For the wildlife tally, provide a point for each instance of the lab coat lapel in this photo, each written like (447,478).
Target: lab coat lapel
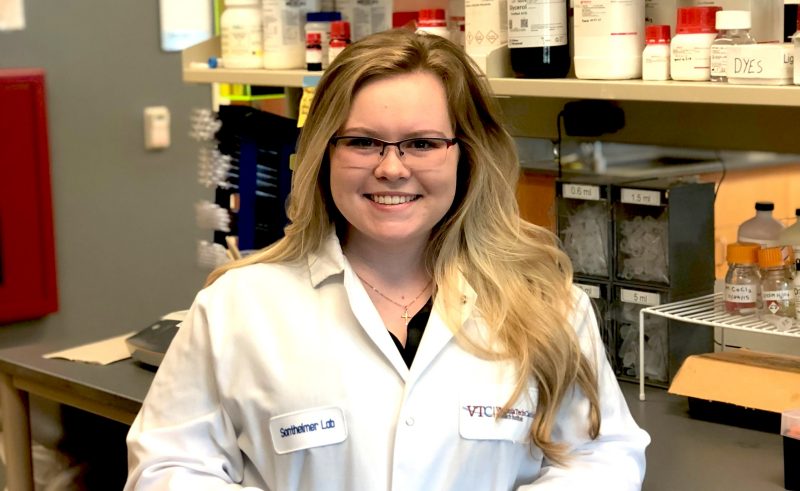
(370,320)
(437,333)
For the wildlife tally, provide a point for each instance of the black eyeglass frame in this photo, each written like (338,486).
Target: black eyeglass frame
(449,141)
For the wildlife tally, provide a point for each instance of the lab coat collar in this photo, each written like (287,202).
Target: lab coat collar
(330,261)
(327,261)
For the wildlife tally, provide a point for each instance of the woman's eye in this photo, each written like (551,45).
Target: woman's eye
(362,143)
(424,144)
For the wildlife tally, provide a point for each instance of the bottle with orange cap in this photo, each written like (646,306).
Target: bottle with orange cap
(743,280)
(777,291)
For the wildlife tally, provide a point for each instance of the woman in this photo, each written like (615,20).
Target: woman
(410,331)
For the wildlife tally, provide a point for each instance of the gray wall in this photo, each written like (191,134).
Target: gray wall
(124,219)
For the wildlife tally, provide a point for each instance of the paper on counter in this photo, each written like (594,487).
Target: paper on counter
(101,352)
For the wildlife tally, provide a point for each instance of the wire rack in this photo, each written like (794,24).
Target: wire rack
(709,310)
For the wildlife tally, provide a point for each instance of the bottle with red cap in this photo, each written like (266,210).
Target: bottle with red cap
(655,57)
(340,39)
(433,21)
(690,51)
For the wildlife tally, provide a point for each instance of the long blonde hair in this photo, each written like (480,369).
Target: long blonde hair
(521,276)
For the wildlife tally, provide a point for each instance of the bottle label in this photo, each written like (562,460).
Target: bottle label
(719,60)
(741,293)
(777,301)
(314,55)
(284,23)
(537,23)
(240,41)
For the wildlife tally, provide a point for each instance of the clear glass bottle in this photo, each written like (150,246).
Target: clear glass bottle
(743,280)
(733,28)
(777,291)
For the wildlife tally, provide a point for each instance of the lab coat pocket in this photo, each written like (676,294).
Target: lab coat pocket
(309,428)
(480,415)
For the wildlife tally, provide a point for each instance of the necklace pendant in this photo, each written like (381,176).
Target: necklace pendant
(405,316)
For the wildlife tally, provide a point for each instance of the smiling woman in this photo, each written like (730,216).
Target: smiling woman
(408,307)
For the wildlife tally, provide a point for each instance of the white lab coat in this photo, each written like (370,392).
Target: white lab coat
(284,378)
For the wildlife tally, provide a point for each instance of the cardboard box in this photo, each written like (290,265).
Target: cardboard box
(742,387)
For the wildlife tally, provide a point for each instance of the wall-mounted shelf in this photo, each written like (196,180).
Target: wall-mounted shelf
(708,310)
(570,88)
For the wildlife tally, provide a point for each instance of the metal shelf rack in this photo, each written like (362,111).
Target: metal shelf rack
(708,310)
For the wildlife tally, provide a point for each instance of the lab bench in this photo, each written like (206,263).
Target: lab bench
(685,454)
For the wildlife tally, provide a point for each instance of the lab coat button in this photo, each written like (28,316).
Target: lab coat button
(409,421)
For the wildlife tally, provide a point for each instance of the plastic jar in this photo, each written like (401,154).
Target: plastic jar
(340,39)
(762,229)
(609,39)
(655,58)
(538,38)
(691,46)
(743,280)
(240,34)
(433,21)
(320,22)
(284,32)
(734,28)
(777,291)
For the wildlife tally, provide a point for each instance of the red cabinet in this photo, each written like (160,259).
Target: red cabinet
(27,252)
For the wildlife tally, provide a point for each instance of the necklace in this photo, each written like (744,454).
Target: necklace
(405,307)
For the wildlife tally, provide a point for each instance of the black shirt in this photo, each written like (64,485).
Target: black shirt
(416,327)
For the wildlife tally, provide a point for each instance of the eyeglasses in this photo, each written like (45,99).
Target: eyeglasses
(412,151)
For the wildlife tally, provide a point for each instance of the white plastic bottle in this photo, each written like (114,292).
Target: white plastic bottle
(240,34)
(691,47)
(655,58)
(762,229)
(734,29)
(790,236)
(284,32)
(609,39)
(456,21)
(366,17)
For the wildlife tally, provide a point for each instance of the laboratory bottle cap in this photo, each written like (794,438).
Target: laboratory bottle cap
(697,20)
(237,3)
(340,29)
(657,34)
(313,38)
(797,212)
(765,206)
(323,16)
(432,17)
(733,19)
(742,253)
(773,257)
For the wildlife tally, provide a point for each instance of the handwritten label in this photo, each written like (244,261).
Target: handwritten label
(640,197)
(592,290)
(580,191)
(638,297)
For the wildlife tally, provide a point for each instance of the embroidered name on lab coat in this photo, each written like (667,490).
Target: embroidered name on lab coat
(481,417)
(308,428)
